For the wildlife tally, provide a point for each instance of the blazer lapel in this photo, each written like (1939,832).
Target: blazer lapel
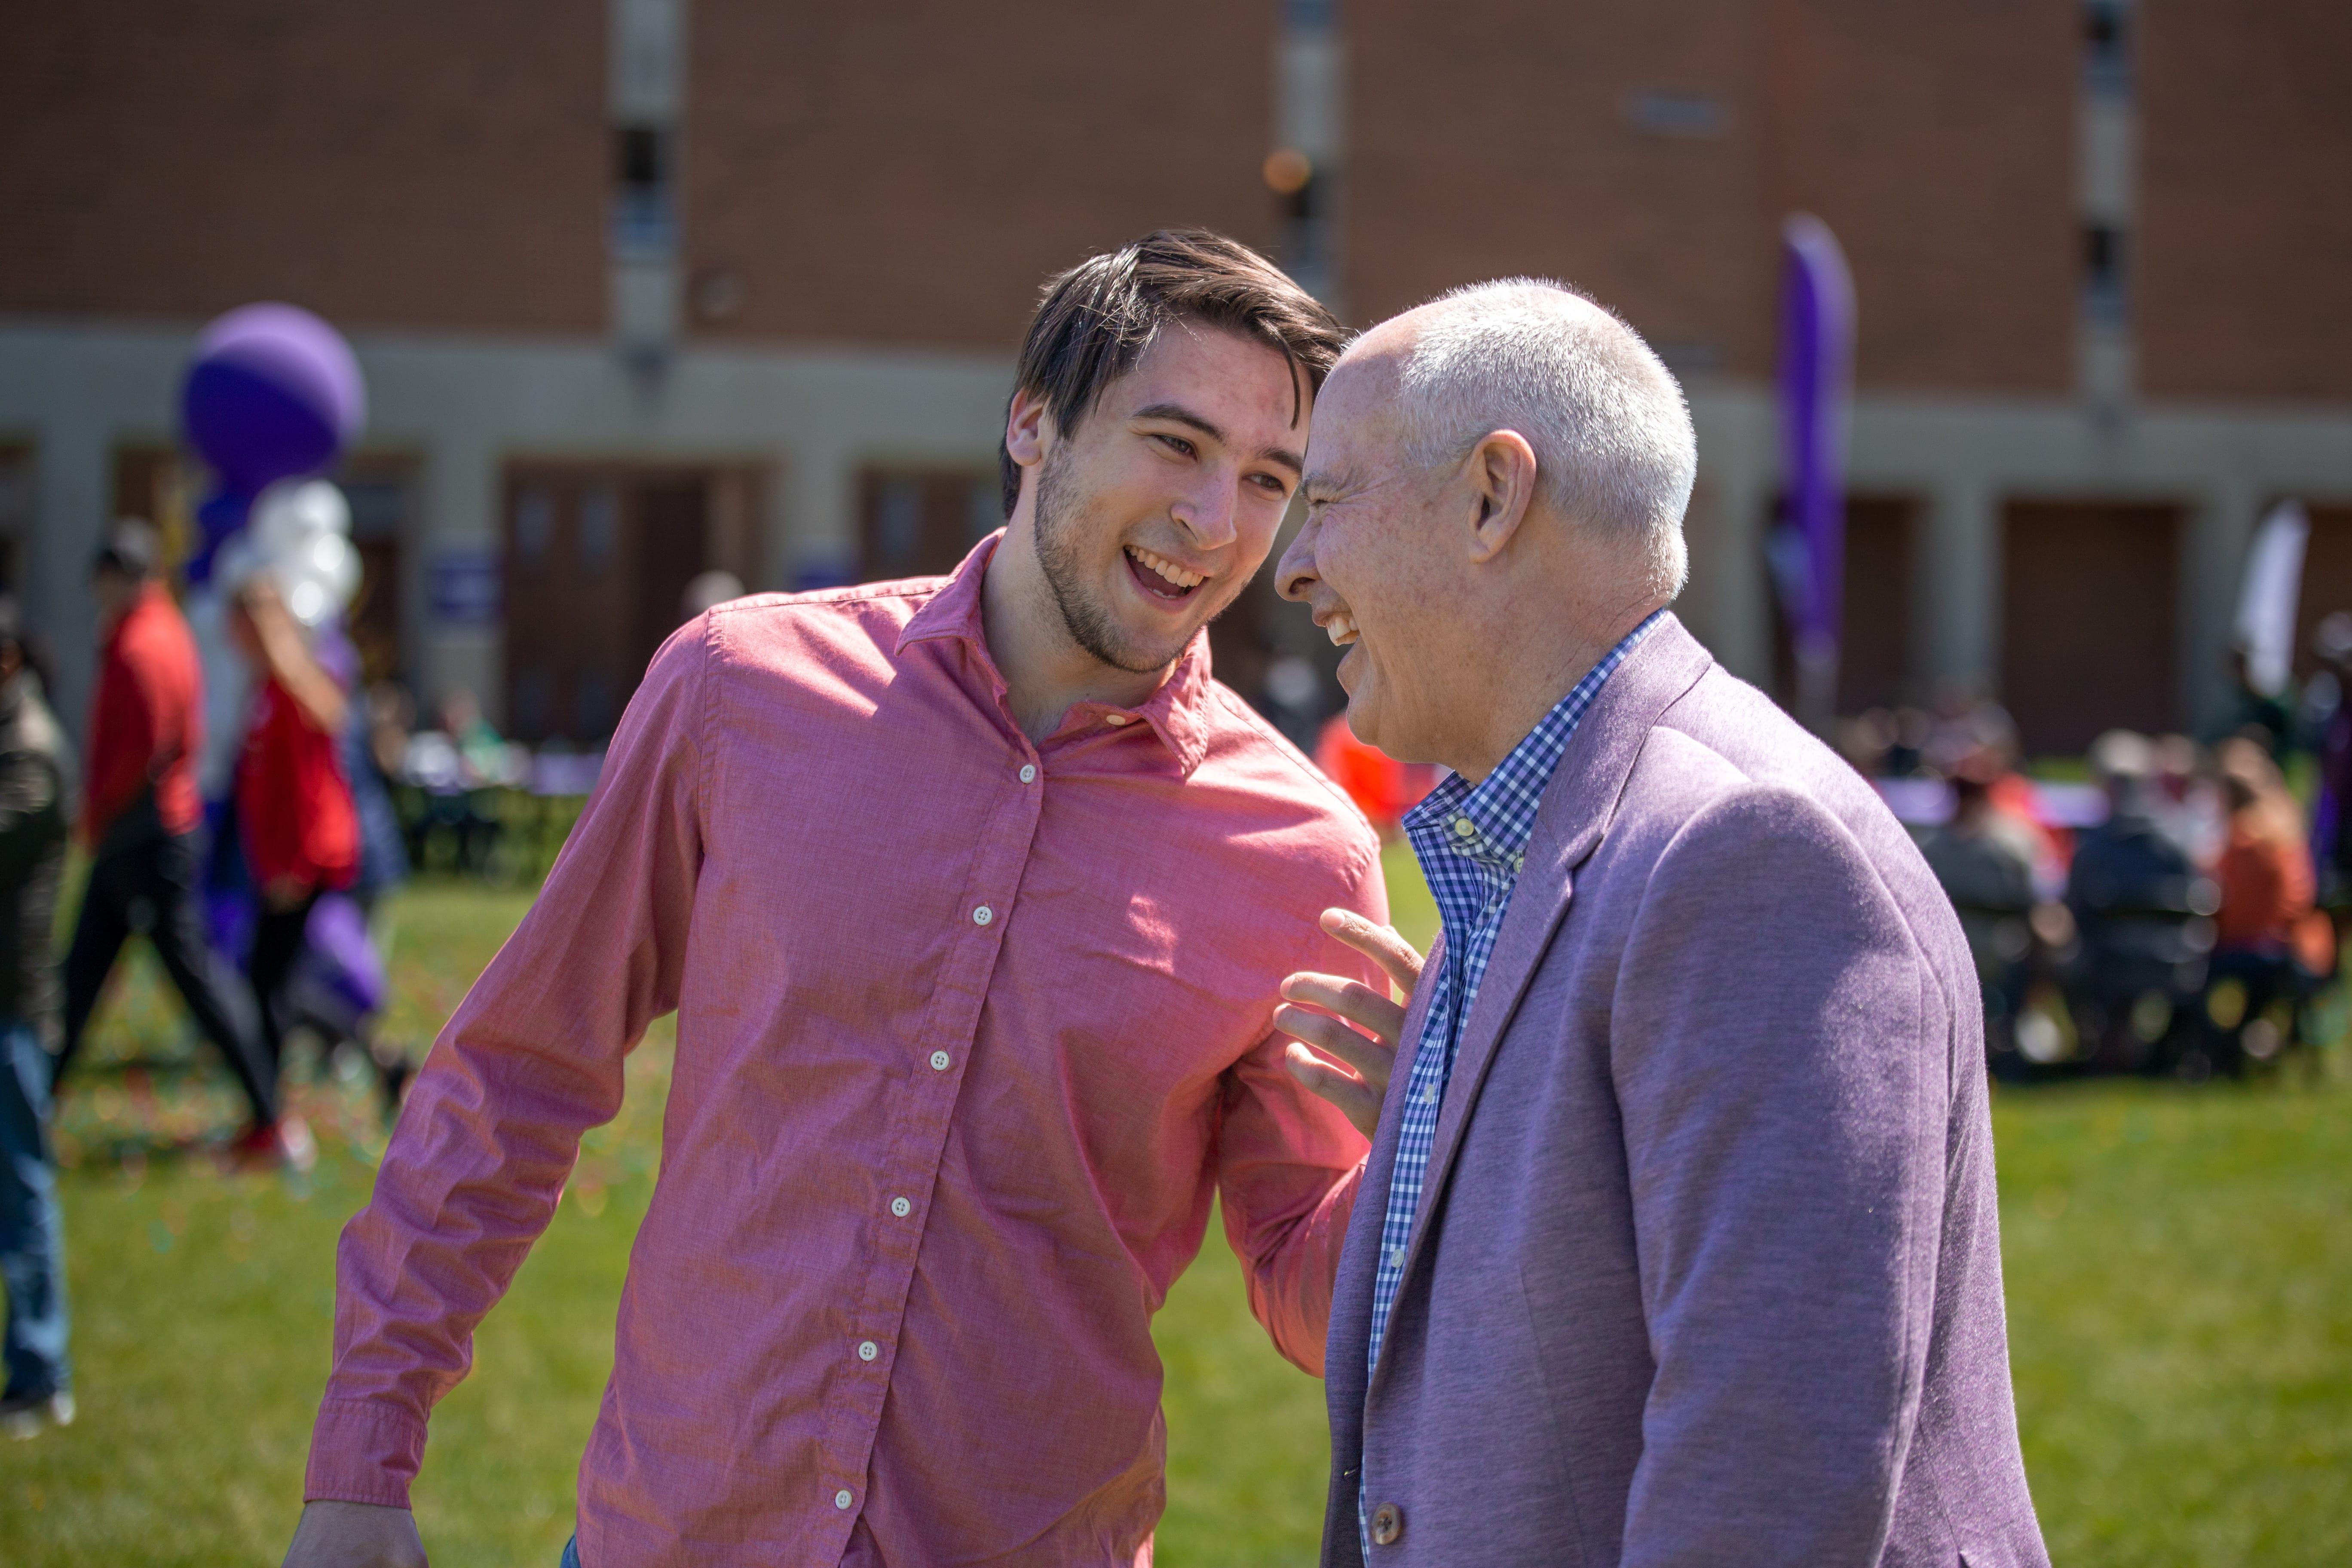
(1578,805)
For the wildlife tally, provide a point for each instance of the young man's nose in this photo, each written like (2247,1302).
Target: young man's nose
(1207,514)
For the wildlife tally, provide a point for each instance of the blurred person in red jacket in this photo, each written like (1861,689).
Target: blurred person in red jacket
(140,813)
(294,812)
(1382,788)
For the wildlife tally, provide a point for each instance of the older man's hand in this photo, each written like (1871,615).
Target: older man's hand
(355,1535)
(1320,1008)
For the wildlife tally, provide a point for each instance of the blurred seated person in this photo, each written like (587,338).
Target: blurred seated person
(456,765)
(1984,857)
(2139,904)
(2270,938)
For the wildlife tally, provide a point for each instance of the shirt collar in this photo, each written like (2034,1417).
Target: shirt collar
(1177,712)
(1491,823)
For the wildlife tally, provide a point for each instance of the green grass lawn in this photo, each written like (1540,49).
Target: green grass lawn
(2179,1273)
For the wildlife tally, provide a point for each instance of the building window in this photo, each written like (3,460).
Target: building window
(600,528)
(642,219)
(921,522)
(2107,46)
(2105,291)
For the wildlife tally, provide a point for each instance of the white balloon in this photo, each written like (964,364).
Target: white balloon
(331,555)
(319,579)
(292,511)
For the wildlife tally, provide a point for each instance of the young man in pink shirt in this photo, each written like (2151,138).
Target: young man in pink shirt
(972,896)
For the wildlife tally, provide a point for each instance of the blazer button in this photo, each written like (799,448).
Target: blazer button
(1388,1523)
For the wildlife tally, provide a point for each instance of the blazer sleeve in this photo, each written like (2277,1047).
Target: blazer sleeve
(1777,1056)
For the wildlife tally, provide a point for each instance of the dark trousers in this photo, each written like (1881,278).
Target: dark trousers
(276,943)
(150,888)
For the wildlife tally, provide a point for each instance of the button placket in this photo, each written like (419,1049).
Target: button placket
(913,1164)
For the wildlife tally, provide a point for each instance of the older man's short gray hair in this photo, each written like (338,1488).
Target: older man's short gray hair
(1611,434)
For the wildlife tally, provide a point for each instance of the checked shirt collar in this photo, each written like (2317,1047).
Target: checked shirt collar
(1472,842)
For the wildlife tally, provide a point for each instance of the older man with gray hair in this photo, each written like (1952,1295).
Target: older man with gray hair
(1678,1241)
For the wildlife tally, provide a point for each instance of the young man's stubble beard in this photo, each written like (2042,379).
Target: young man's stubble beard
(1058,556)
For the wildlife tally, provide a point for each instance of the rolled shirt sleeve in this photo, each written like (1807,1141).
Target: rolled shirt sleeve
(530,1060)
(1290,1165)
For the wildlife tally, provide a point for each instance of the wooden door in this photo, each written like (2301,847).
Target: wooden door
(2088,620)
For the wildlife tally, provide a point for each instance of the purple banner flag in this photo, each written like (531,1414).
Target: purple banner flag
(1816,380)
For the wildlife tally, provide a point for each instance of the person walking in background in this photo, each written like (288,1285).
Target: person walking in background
(139,817)
(35,785)
(294,813)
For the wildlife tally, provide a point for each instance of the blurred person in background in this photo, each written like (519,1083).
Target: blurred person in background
(295,818)
(2183,799)
(2331,816)
(456,766)
(36,787)
(141,813)
(707,592)
(1984,857)
(2138,902)
(2262,717)
(1382,788)
(970,895)
(2269,938)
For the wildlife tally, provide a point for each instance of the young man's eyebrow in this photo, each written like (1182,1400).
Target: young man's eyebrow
(1286,457)
(1181,415)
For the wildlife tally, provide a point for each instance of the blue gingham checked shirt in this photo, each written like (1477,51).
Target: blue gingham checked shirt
(1471,843)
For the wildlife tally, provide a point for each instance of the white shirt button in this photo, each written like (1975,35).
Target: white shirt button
(982,915)
(1119,718)
(901,1207)
(1028,773)
(868,1350)
(842,1498)
(1396,1257)
(938,1061)
(1464,827)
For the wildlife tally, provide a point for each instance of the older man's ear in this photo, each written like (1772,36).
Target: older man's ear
(1501,473)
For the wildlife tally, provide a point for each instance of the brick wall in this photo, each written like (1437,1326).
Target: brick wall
(2245,238)
(432,163)
(1937,140)
(912,172)
(1500,136)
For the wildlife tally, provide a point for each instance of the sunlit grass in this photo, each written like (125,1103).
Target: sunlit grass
(2179,1272)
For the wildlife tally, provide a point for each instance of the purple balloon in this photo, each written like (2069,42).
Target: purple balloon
(346,960)
(273,392)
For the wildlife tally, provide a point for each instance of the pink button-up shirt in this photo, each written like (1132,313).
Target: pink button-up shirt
(968,1032)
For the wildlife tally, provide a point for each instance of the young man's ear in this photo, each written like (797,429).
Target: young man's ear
(1028,429)
(1502,472)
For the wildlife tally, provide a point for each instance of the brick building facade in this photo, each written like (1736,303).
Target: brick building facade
(708,282)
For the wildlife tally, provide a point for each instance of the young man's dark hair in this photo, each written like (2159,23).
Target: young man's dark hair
(1097,319)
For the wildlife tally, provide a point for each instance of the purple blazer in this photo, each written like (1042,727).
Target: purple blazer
(1707,1267)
